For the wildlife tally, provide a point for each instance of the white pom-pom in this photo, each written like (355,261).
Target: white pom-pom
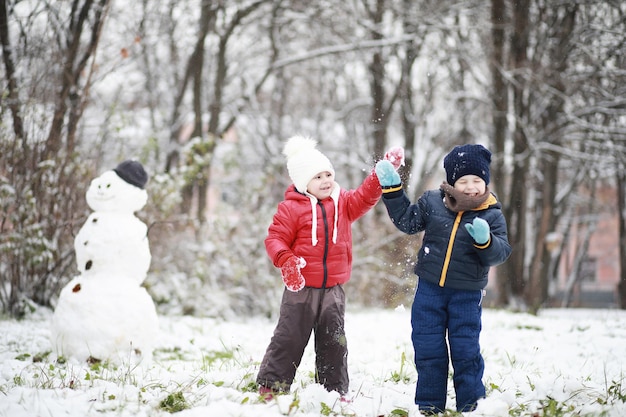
(298,144)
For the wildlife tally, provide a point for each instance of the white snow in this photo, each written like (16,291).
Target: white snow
(561,358)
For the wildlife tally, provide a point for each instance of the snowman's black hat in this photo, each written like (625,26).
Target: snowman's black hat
(132,172)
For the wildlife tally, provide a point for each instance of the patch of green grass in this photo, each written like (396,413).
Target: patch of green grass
(615,392)
(248,383)
(174,403)
(529,327)
(325,410)
(170,354)
(23,357)
(403,375)
(214,356)
(399,412)
(553,408)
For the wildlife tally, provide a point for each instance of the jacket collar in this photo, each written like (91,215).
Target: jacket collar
(335,197)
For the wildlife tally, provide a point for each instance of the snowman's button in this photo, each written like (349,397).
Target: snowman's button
(76,288)
(88,265)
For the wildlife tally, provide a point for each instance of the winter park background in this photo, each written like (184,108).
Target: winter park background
(204,95)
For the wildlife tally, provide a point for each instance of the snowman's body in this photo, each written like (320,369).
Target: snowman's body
(104,313)
(105,318)
(122,251)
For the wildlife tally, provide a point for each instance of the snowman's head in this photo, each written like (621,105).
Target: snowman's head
(109,192)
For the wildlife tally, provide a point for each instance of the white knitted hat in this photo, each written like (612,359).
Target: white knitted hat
(304,161)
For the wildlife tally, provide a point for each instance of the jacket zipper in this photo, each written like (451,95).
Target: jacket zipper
(325,244)
(325,268)
(446,261)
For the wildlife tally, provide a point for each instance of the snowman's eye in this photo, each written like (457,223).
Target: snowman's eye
(108,185)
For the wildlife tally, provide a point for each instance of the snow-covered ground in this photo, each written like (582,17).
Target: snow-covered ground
(562,362)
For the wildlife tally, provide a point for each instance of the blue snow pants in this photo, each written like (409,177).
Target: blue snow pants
(438,312)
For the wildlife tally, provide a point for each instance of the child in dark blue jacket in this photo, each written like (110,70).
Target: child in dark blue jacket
(465,233)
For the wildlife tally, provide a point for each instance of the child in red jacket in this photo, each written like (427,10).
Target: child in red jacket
(310,240)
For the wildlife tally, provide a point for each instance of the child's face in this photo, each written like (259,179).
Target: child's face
(321,185)
(471,185)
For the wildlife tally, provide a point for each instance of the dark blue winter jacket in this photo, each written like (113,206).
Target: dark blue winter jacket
(449,256)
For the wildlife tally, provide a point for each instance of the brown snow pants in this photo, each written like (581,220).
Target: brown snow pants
(311,309)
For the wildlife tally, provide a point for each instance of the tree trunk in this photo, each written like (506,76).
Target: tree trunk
(537,291)
(621,205)
(548,166)
(516,204)
(9,68)
(377,89)
(406,92)
(499,98)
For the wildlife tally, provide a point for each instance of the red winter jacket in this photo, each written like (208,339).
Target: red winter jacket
(290,231)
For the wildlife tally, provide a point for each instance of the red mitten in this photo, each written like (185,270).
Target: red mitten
(395,155)
(292,277)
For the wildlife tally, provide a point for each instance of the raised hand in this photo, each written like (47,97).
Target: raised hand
(386,173)
(395,155)
(479,230)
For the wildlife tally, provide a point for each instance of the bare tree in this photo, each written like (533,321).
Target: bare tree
(499,98)
(38,149)
(208,132)
(620,174)
(554,135)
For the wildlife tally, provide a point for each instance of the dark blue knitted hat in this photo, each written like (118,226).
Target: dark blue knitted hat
(467,160)
(132,172)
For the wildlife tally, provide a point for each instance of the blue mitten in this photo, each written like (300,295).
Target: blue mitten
(479,230)
(387,174)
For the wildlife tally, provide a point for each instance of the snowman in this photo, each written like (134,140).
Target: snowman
(104,314)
